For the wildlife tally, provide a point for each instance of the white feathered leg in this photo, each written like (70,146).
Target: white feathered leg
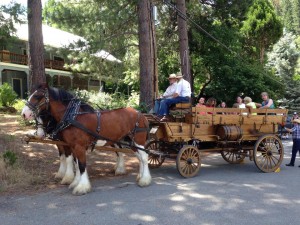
(84,185)
(69,175)
(140,167)
(144,177)
(77,176)
(120,164)
(62,167)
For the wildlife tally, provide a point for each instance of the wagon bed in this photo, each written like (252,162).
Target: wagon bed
(235,133)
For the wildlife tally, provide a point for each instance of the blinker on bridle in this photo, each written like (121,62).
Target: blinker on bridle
(36,108)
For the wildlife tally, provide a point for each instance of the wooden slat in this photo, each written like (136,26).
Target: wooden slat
(183,105)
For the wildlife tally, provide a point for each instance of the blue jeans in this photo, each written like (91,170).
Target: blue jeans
(157,105)
(295,149)
(166,103)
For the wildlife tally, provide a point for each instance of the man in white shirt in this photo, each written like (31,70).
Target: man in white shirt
(168,93)
(182,94)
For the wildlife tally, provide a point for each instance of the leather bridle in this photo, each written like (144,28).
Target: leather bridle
(36,108)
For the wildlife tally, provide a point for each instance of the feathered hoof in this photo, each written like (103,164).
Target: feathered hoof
(120,172)
(144,181)
(67,180)
(81,189)
(73,184)
(59,176)
(138,177)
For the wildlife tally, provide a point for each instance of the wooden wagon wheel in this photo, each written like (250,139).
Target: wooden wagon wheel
(268,153)
(233,157)
(155,160)
(188,161)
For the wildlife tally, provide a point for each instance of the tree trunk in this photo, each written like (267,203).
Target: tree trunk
(155,67)
(146,59)
(36,44)
(183,41)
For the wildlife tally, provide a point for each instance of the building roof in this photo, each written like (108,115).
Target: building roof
(59,39)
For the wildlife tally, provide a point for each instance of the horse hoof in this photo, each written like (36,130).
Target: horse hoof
(59,176)
(118,172)
(80,190)
(144,182)
(67,181)
(73,185)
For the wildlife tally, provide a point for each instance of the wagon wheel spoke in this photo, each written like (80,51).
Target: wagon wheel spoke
(234,156)
(268,153)
(155,158)
(188,161)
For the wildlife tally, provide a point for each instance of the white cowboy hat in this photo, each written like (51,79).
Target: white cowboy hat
(179,75)
(172,76)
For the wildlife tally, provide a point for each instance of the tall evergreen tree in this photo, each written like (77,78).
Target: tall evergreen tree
(9,16)
(262,28)
(146,53)
(36,44)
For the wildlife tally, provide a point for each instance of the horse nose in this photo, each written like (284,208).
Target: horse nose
(26,114)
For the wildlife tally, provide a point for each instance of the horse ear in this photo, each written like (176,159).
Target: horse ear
(43,85)
(46,85)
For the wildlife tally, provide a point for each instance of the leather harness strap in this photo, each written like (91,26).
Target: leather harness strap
(69,118)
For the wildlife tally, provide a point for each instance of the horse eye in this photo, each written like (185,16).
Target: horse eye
(38,97)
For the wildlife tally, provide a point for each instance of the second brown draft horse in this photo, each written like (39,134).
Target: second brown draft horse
(80,126)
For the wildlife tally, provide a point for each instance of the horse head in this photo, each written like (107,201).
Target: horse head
(37,102)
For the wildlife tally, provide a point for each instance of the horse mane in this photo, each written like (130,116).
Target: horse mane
(65,97)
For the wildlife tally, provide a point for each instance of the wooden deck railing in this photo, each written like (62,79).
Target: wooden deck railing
(10,57)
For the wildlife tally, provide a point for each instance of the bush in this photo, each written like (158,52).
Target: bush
(101,100)
(7,95)
(19,105)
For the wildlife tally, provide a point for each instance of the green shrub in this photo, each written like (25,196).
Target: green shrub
(19,105)
(7,95)
(10,157)
(101,100)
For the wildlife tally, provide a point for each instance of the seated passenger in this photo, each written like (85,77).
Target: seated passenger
(201,104)
(211,103)
(250,104)
(267,102)
(239,104)
(222,105)
(168,93)
(181,95)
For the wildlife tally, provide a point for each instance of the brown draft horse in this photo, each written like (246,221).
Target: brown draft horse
(45,126)
(107,127)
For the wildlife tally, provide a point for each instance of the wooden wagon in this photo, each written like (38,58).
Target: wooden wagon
(235,133)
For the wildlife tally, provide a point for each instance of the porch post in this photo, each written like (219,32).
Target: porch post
(1,69)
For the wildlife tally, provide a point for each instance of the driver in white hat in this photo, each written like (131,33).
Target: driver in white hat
(182,94)
(168,93)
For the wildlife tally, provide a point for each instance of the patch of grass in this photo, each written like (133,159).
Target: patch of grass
(25,123)
(12,172)
(10,157)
